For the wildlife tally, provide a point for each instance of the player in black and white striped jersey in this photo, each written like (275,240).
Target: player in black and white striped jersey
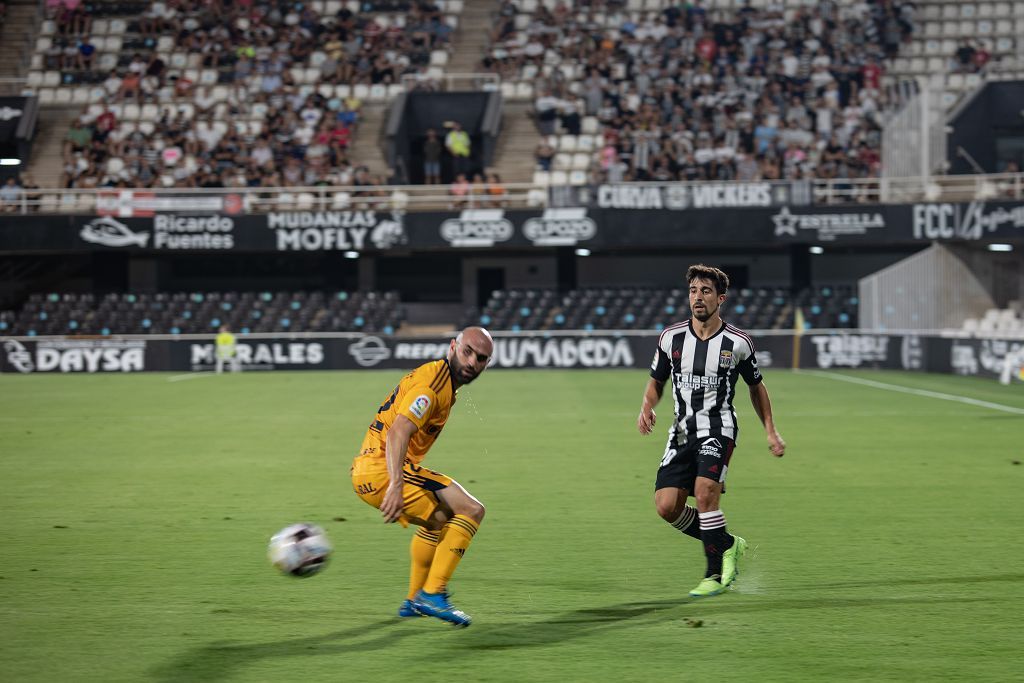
(704,358)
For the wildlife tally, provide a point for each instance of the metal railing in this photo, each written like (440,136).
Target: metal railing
(126,201)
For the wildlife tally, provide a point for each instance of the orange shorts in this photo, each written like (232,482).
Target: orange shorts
(419,498)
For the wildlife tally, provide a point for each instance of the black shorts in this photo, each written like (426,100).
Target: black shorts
(706,457)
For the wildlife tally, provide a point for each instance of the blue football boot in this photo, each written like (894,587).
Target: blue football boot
(437,605)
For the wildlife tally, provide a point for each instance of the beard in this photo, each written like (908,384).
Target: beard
(463,374)
(704,314)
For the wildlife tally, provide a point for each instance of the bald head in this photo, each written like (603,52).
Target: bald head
(469,354)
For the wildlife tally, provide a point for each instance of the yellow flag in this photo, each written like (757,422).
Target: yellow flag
(798,332)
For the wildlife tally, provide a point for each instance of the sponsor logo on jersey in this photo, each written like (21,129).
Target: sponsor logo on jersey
(690,381)
(420,406)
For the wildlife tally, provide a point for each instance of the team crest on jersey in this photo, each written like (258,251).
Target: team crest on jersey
(420,406)
(725,359)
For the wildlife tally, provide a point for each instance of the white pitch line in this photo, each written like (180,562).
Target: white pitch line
(917,392)
(189,375)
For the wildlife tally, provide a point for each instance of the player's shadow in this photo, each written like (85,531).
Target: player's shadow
(216,661)
(585,622)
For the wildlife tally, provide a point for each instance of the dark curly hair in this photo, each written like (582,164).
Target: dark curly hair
(701,272)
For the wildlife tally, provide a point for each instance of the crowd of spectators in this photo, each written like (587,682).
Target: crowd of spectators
(680,94)
(243,90)
(18,192)
(299,140)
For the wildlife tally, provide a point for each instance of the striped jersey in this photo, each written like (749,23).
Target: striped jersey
(703,374)
(425,396)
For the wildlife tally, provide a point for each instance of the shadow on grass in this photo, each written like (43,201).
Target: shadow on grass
(216,661)
(585,622)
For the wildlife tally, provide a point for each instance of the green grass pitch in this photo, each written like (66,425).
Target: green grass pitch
(136,512)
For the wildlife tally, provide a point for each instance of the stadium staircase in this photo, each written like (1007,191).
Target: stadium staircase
(367,148)
(17,35)
(514,160)
(472,37)
(47,161)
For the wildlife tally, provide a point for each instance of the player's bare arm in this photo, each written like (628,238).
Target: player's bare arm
(397,445)
(652,394)
(763,407)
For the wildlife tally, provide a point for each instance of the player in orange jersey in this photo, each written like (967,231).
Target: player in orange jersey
(387,473)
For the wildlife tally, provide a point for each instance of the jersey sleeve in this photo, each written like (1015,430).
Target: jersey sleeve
(749,370)
(661,368)
(419,404)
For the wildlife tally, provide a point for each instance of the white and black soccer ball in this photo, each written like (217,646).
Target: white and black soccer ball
(300,549)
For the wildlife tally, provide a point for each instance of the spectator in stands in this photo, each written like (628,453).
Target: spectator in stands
(544,155)
(496,193)
(10,195)
(86,52)
(982,56)
(79,137)
(153,20)
(131,87)
(546,108)
(457,143)
(459,191)
(742,74)
(32,194)
(432,159)
(963,58)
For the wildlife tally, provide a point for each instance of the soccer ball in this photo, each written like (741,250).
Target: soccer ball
(300,549)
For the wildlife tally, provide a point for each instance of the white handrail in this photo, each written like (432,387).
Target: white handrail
(956,188)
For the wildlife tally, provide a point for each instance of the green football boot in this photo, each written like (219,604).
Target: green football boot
(708,587)
(731,560)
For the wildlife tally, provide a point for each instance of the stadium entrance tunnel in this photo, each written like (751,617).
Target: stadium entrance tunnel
(413,114)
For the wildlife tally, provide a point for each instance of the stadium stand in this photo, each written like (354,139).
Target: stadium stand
(625,308)
(203,94)
(958,45)
(203,312)
(651,90)
(1002,321)
(645,308)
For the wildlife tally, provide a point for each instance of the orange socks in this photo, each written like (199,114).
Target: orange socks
(421,552)
(455,539)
